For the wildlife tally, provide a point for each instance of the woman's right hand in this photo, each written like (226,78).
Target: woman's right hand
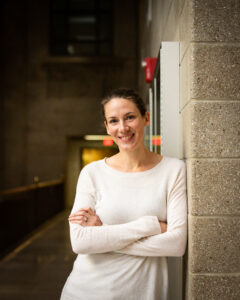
(85,217)
(163,226)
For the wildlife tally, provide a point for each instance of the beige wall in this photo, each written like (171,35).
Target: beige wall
(209,36)
(46,99)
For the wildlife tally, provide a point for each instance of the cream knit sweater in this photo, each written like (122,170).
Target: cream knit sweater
(126,257)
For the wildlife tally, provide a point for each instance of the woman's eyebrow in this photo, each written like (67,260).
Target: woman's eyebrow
(129,113)
(126,114)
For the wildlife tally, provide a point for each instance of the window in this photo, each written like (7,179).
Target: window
(81,27)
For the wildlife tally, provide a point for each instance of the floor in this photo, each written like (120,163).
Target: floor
(38,268)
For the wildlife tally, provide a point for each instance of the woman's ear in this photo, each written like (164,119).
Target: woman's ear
(147,118)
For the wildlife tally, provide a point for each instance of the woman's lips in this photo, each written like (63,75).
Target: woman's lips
(126,138)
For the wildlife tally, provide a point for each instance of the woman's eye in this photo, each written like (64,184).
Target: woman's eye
(113,121)
(130,117)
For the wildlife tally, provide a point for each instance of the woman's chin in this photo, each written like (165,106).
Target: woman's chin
(127,146)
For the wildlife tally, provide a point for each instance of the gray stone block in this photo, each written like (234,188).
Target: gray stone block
(215,71)
(214,186)
(216,20)
(211,129)
(214,244)
(211,287)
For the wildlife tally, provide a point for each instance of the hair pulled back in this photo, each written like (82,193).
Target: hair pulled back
(125,93)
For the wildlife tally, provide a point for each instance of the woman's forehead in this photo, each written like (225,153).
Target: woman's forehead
(122,104)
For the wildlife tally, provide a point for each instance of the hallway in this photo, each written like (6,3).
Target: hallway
(39,267)
(58,60)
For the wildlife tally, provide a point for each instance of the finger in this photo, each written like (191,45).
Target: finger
(91,212)
(77,222)
(88,210)
(82,219)
(80,223)
(84,209)
(79,211)
(76,213)
(79,217)
(82,213)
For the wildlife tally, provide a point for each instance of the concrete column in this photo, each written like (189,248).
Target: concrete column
(210,105)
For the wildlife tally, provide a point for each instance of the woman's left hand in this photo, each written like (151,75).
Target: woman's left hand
(85,217)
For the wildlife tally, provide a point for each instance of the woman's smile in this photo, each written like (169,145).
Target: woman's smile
(126,138)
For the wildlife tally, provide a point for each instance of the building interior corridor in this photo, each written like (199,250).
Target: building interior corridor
(58,58)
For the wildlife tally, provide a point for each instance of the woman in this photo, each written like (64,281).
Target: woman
(129,213)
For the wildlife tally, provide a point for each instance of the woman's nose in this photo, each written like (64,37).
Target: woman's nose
(123,126)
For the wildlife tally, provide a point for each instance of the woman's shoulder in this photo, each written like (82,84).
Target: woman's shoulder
(93,166)
(174,163)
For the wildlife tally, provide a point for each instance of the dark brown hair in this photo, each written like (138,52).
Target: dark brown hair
(125,93)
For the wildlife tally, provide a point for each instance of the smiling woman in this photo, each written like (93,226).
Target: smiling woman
(125,124)
(125,118)
(129,213)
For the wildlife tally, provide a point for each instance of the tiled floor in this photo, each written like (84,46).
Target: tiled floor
(38,269)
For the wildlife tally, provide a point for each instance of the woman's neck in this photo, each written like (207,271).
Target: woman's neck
(135,161)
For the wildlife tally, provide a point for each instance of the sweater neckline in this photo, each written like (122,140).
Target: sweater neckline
(132,173)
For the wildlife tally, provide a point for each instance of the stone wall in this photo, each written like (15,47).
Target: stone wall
(209,36)
(47,99)
(211,113)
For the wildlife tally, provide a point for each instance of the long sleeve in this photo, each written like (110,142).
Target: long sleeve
(131,203)
(101,239)
(172,242)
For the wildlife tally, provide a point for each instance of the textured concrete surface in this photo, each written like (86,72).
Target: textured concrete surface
(172,26)
(185,79)
(185,27)
(214,244)
(154,33)
(211,129)
(215,71)
(216,20)
(212,287)
(214,186)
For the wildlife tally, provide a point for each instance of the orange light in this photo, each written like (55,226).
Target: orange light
(107,142)
(156,141)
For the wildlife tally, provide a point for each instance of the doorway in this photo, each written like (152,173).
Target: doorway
(80,152)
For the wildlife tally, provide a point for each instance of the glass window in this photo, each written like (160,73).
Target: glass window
(81,27)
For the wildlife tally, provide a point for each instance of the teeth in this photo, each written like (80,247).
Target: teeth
(126,137)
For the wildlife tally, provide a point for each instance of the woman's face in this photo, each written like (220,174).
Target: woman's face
(125,123)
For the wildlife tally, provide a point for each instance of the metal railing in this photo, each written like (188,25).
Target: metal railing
(23,209)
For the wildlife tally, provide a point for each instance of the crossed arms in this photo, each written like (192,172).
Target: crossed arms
(141,237)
